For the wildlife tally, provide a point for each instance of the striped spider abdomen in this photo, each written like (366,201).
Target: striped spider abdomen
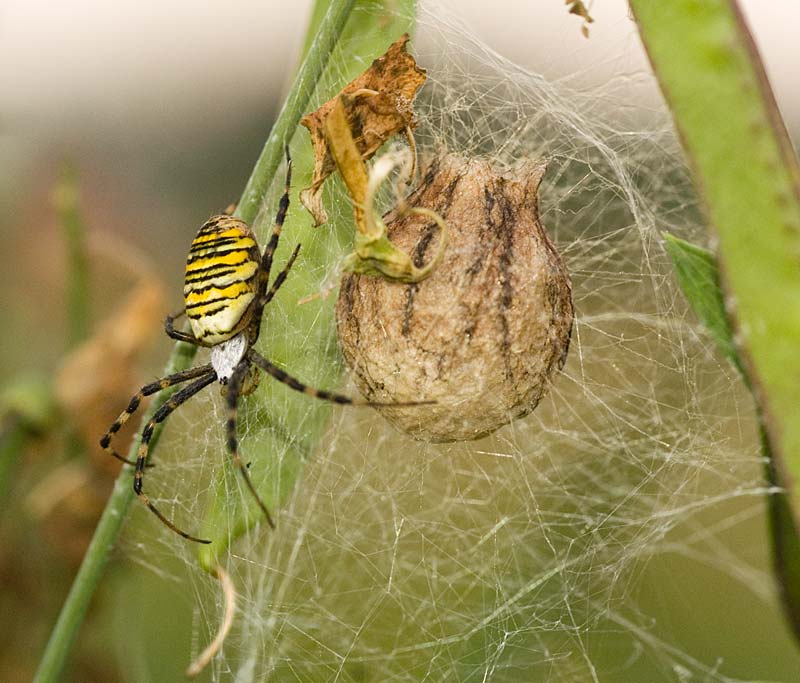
(221,279)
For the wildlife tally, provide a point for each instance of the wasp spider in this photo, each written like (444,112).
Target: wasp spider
(225,292)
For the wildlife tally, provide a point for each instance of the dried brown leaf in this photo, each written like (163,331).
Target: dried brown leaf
(99,371)
(577,8)
(378,105)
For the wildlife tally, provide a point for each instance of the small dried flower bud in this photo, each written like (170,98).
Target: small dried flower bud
(485,333)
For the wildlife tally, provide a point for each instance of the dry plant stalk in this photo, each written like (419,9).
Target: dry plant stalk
(229,613)
(484,334)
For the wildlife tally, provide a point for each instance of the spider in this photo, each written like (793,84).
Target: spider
(225,292)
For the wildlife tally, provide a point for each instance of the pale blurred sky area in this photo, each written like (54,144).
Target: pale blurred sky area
(124,65)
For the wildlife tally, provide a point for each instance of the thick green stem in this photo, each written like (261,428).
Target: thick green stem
(86,581)
(293,109)
(74,609)
(748,177)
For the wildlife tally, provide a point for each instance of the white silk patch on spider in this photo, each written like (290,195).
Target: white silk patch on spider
(226,356)
(615,534)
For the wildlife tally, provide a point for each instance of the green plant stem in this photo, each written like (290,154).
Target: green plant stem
(77,285)
(293,108)
(86,581)
(74,609)
(748,177)
(27,409)
(27,404)
(13,437)
(77,304)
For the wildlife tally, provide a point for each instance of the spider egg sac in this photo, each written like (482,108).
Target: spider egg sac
(485,333)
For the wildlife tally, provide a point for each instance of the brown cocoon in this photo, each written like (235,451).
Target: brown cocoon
(485,333)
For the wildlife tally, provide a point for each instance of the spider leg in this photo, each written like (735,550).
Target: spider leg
(147,390)
(141,457)
(234,385)
(280,217)
(281,278)
(178,335)
(297,385)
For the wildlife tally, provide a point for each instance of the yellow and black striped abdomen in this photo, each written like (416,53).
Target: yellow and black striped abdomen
(221,277)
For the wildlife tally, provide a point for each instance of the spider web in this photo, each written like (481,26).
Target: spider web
(526,555)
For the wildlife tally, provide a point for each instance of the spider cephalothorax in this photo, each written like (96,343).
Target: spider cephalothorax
(225,292)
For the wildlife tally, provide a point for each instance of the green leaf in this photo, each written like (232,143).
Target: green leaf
(698,276)
(287,426)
